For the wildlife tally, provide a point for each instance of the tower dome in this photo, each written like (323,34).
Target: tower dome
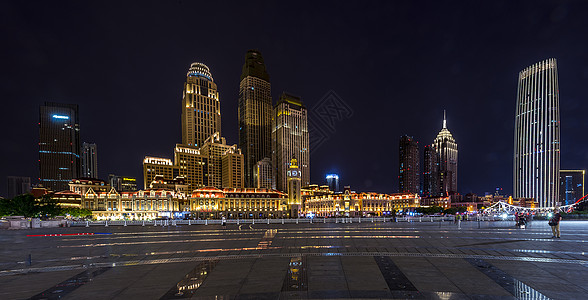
(199,70)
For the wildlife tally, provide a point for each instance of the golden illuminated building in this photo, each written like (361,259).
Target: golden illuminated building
(215,149)
(322,202)
(247,203)
(201,115)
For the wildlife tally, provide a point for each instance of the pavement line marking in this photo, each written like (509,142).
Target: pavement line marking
(69,285)
(228,257)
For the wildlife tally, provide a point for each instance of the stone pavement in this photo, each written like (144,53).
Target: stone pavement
(486,260)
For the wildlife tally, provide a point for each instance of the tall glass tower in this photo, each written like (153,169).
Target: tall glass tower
(537,134)
(201,116)
(59,145)
(408,175)
(255,114)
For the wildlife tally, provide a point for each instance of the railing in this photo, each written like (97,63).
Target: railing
(173,222)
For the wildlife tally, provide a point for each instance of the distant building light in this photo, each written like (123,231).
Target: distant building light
(61,117)
(332,176)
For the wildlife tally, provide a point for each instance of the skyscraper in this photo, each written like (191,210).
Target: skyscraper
(430,172)
(255,113)
(59,145)
(89,161)
(571,186)
(201,115)
(290,139)
(537,134)
(333,182)
(446,149)
(18,186)
(408,177)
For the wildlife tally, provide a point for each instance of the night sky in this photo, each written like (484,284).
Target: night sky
(396,65)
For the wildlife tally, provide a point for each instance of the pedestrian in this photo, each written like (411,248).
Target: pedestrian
(554,223)
(224,222)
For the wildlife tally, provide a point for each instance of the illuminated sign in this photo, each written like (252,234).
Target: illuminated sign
(129,179)
(61,117)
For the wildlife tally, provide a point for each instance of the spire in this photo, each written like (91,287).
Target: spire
(444,120)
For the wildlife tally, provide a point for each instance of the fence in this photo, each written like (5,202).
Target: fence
(173,222)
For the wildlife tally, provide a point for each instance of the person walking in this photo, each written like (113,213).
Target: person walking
(554,223)
(224,222)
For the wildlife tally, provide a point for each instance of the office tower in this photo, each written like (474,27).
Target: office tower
(571,186)
(201,116)
(89,161)
(446,149)
(122,183)
(333,182)
(232,163)
(263,175)
(290,139)
(18,186)
(430,172)
(537,134)
(214,149)
(408,178)
(59,145)
(255,113)
(156,166)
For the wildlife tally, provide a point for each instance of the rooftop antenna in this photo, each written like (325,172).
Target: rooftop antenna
(444,120)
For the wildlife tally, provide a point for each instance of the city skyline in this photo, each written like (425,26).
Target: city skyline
(479,93)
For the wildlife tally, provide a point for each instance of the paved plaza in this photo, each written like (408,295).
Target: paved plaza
(409,260)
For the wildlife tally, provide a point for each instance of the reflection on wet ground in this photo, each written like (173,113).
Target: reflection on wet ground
(388,247)
(186,287)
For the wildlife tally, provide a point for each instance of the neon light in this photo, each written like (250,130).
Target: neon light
(61,117)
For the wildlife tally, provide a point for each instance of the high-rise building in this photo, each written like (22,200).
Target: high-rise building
(537,134)
(123,183)
(255,113)
(201,116)
(571,186)
(430,172)
(408,177)
(215,148)
(263,175)
(333,182)
(89,160)
(290,139)
(18,186)
(446,149)
(59,145)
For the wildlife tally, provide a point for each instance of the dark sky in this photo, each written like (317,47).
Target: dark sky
(396,64)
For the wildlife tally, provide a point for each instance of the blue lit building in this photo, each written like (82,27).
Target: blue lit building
(333,182)
(59,145)
(571,186)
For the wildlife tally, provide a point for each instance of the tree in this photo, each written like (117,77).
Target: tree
(27,206)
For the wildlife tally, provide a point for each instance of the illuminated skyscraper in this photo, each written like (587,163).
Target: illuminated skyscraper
(333,182)
(201,115)
(446,149)
(571,186)
(408,177)
(59,145)
(255,113)
(89,160)
(430,172)
(537,134)
(290,139)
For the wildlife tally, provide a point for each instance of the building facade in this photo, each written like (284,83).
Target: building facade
(263,174)
(537,134)
(446,149)
(571,186)
(430,186)
(290,139)
(215,149)
(255,113)
(122,183)
(201,115)
(409,173)
(18,185)
(333,182)
(322,202)
(89,160)
(59,145)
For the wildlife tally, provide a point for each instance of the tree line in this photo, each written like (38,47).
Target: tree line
(44,207)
